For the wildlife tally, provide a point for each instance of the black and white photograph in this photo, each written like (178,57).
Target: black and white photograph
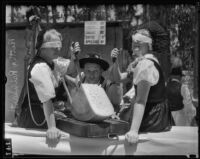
(104,79)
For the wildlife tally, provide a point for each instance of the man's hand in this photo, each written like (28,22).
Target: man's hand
(53,136)
(114,54)
(132,136)
(114,116)
(129,95)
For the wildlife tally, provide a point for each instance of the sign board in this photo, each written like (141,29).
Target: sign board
(95,33)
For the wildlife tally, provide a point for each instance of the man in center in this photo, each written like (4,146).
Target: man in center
(93,66)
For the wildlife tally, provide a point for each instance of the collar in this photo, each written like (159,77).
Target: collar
(176,80)
(51,65)
(151,56)
(100,82)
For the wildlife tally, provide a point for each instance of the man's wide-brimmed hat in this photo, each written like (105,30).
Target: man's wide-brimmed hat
(94,58)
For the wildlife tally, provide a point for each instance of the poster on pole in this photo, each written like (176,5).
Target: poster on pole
(95,33)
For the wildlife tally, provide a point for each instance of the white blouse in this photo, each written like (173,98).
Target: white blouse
(145,70)
(45,80)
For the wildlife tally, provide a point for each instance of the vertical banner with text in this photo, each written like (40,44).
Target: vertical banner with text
(15,52)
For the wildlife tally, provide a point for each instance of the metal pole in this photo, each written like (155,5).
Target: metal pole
(196,62)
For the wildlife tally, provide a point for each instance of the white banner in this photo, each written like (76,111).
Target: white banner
(95,33)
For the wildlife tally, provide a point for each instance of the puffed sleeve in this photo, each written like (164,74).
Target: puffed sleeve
(43,81)
(145,70)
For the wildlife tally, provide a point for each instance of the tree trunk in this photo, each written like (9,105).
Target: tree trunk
(155,14)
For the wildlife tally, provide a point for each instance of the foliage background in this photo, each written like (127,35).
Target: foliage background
(180,21)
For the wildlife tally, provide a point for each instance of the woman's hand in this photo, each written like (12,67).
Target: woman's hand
(114,53)
(132,136)
(53,136)
(53,133)
(75,49)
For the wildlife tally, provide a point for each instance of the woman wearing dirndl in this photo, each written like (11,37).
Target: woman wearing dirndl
(44,85)
(149,111)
